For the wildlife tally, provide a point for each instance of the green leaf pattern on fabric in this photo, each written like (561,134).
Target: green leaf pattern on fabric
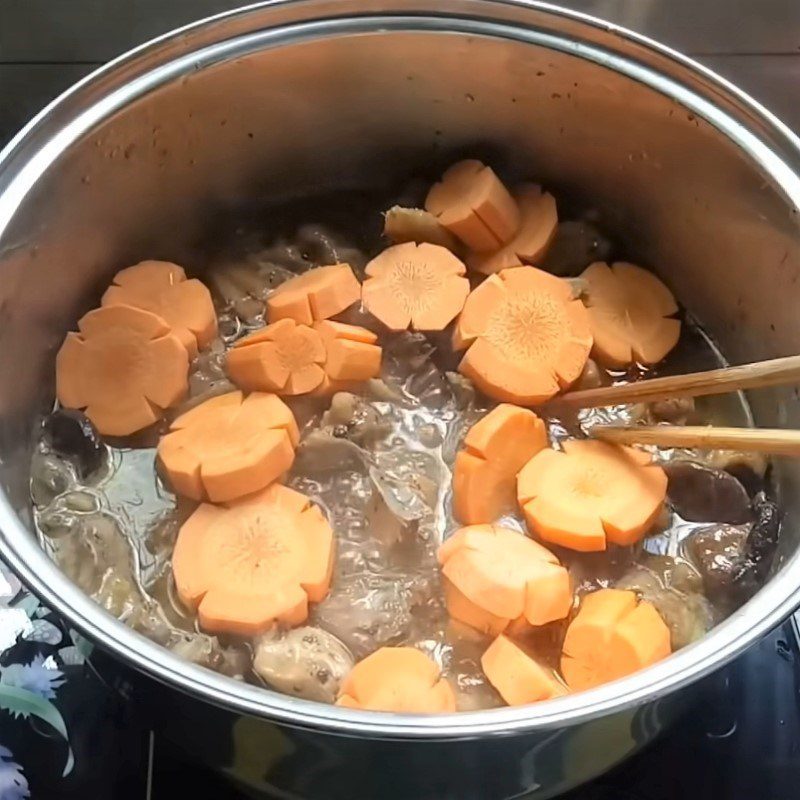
(28,689)
(41,676)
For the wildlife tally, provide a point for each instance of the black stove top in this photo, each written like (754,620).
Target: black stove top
(741,739)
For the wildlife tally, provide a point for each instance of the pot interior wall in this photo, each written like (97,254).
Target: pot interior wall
(356,109)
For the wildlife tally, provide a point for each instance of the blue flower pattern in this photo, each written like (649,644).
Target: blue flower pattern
(13,784)
(29,688)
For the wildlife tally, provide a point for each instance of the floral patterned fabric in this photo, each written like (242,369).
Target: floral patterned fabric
(37,654)
(64,730)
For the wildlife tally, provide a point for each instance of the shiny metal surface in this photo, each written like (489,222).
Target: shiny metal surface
(46,46)
(696,179)
(97,30)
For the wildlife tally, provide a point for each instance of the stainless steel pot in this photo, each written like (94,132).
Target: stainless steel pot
(697,179)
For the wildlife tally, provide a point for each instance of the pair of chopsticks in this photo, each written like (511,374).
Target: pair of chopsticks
(774,372)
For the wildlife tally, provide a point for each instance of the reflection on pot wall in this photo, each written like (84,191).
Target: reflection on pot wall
(268,760)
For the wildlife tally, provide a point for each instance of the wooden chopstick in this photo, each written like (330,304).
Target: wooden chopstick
(761,440)
(775,372)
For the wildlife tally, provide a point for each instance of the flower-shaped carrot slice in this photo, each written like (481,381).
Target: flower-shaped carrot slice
(229,446)
(418,286)
(539,220)
(124,367)
(611,637)
(254,562)
(318,294)
(399,679)
(284,357)
(495,450)
(504,574)
(590,493)
(518,678)
(162,288)
(630,312)
(291,359)
(472,203)
(351,352)
(527,337)
(462,610)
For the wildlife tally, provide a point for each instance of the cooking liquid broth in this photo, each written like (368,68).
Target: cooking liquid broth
(378,463)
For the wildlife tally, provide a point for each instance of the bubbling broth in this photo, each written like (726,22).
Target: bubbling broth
(377,459)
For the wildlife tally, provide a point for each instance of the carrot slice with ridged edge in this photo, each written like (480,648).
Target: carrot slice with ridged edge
(474,205)
(292,359)
(351,352)
(283,357)
(417,225)
(631,314)
(611,637)
(463,611)
(400,679)
(527,338)
(506,575)
(421,286)
(590,494)
(318,294)
(538,224)
(495,450)
(162,287)
(124,367)
(229,446)
(254,562)
(518,678)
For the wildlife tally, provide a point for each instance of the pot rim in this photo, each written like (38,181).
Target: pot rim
(755,130)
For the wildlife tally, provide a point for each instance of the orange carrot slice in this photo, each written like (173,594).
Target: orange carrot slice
(418,286)
(517,677)
(495,450)
(125,366)
(416,225)
(162,287)
(504,574)
(538,224)
(228,446)
(591,493)
(463,610)
(472,203)
(317,294)
(254,562)
(399,679)
(284,357)
(351,351)
(611,637)
(527,337)
(292,359)
(630,312)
